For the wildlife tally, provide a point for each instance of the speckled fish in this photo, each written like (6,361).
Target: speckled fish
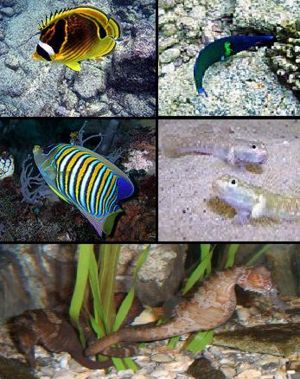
(72,35)
(235,151)
(222,49)
(252,201)
(85,179)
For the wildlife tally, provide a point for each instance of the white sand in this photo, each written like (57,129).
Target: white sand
(185,183)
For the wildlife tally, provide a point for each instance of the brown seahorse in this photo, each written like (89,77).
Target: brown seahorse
(210,306)
(53,332)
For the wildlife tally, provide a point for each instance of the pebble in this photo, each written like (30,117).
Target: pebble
(162,358)
(8,3)
(89,82)
(62,111)
(229,372)
(12,62)
(170,55)
(3,48)
(180,365)
(2,109)
(249,374)
(125,374)
(163,374)
(2,34)
(96,374)
(63,374)
(7,11)
(167,4)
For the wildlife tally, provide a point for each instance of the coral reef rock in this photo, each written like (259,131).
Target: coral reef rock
(284,56)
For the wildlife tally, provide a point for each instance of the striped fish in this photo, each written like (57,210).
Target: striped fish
(72,35)
(85,179)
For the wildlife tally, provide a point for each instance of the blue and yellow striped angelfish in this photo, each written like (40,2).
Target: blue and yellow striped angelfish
(85,179)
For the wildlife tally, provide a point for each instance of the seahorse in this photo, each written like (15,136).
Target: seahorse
(210,306)
(48,329)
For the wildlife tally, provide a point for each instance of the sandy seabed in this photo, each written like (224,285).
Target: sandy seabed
(187,204)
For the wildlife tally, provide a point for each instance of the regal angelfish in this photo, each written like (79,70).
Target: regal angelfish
(85,179)
(72,35)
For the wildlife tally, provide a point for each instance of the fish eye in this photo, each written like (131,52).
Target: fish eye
(233,182)
(253,146)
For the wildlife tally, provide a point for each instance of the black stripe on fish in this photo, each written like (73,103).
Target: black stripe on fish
(102,31)
(59,36)
(43,53)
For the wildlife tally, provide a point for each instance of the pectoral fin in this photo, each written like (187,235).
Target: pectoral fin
(73,65)
(57,193)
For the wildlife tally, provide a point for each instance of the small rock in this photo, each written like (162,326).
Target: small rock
(229,372)
(202,368)
(167,4)
(7,11)
(137,106)
(70,100)
(89,82)
(179,366)
(12,62)
(170,55)
(8,3)
(3,48)
(249,374)
(2,109)
(2,34)
(163,374)
(168,30)
(125,374)
(64,362)
(62,111)
(162,358)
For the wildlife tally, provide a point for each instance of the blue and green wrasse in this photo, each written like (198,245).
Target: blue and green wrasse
(222,49)
(85,179)
(251,201)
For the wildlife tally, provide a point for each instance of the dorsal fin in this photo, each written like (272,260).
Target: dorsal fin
(88,10)
(55,16)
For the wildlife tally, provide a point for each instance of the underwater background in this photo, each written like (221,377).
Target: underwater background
(122,84)
(29,210)
(246,84)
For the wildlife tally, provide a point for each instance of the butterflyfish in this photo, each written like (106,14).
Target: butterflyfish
(71,35)
(223,48)
(86,180)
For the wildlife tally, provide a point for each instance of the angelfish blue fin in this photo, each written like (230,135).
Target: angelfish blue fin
(125,188)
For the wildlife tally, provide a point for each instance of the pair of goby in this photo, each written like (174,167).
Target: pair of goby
(249,201)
